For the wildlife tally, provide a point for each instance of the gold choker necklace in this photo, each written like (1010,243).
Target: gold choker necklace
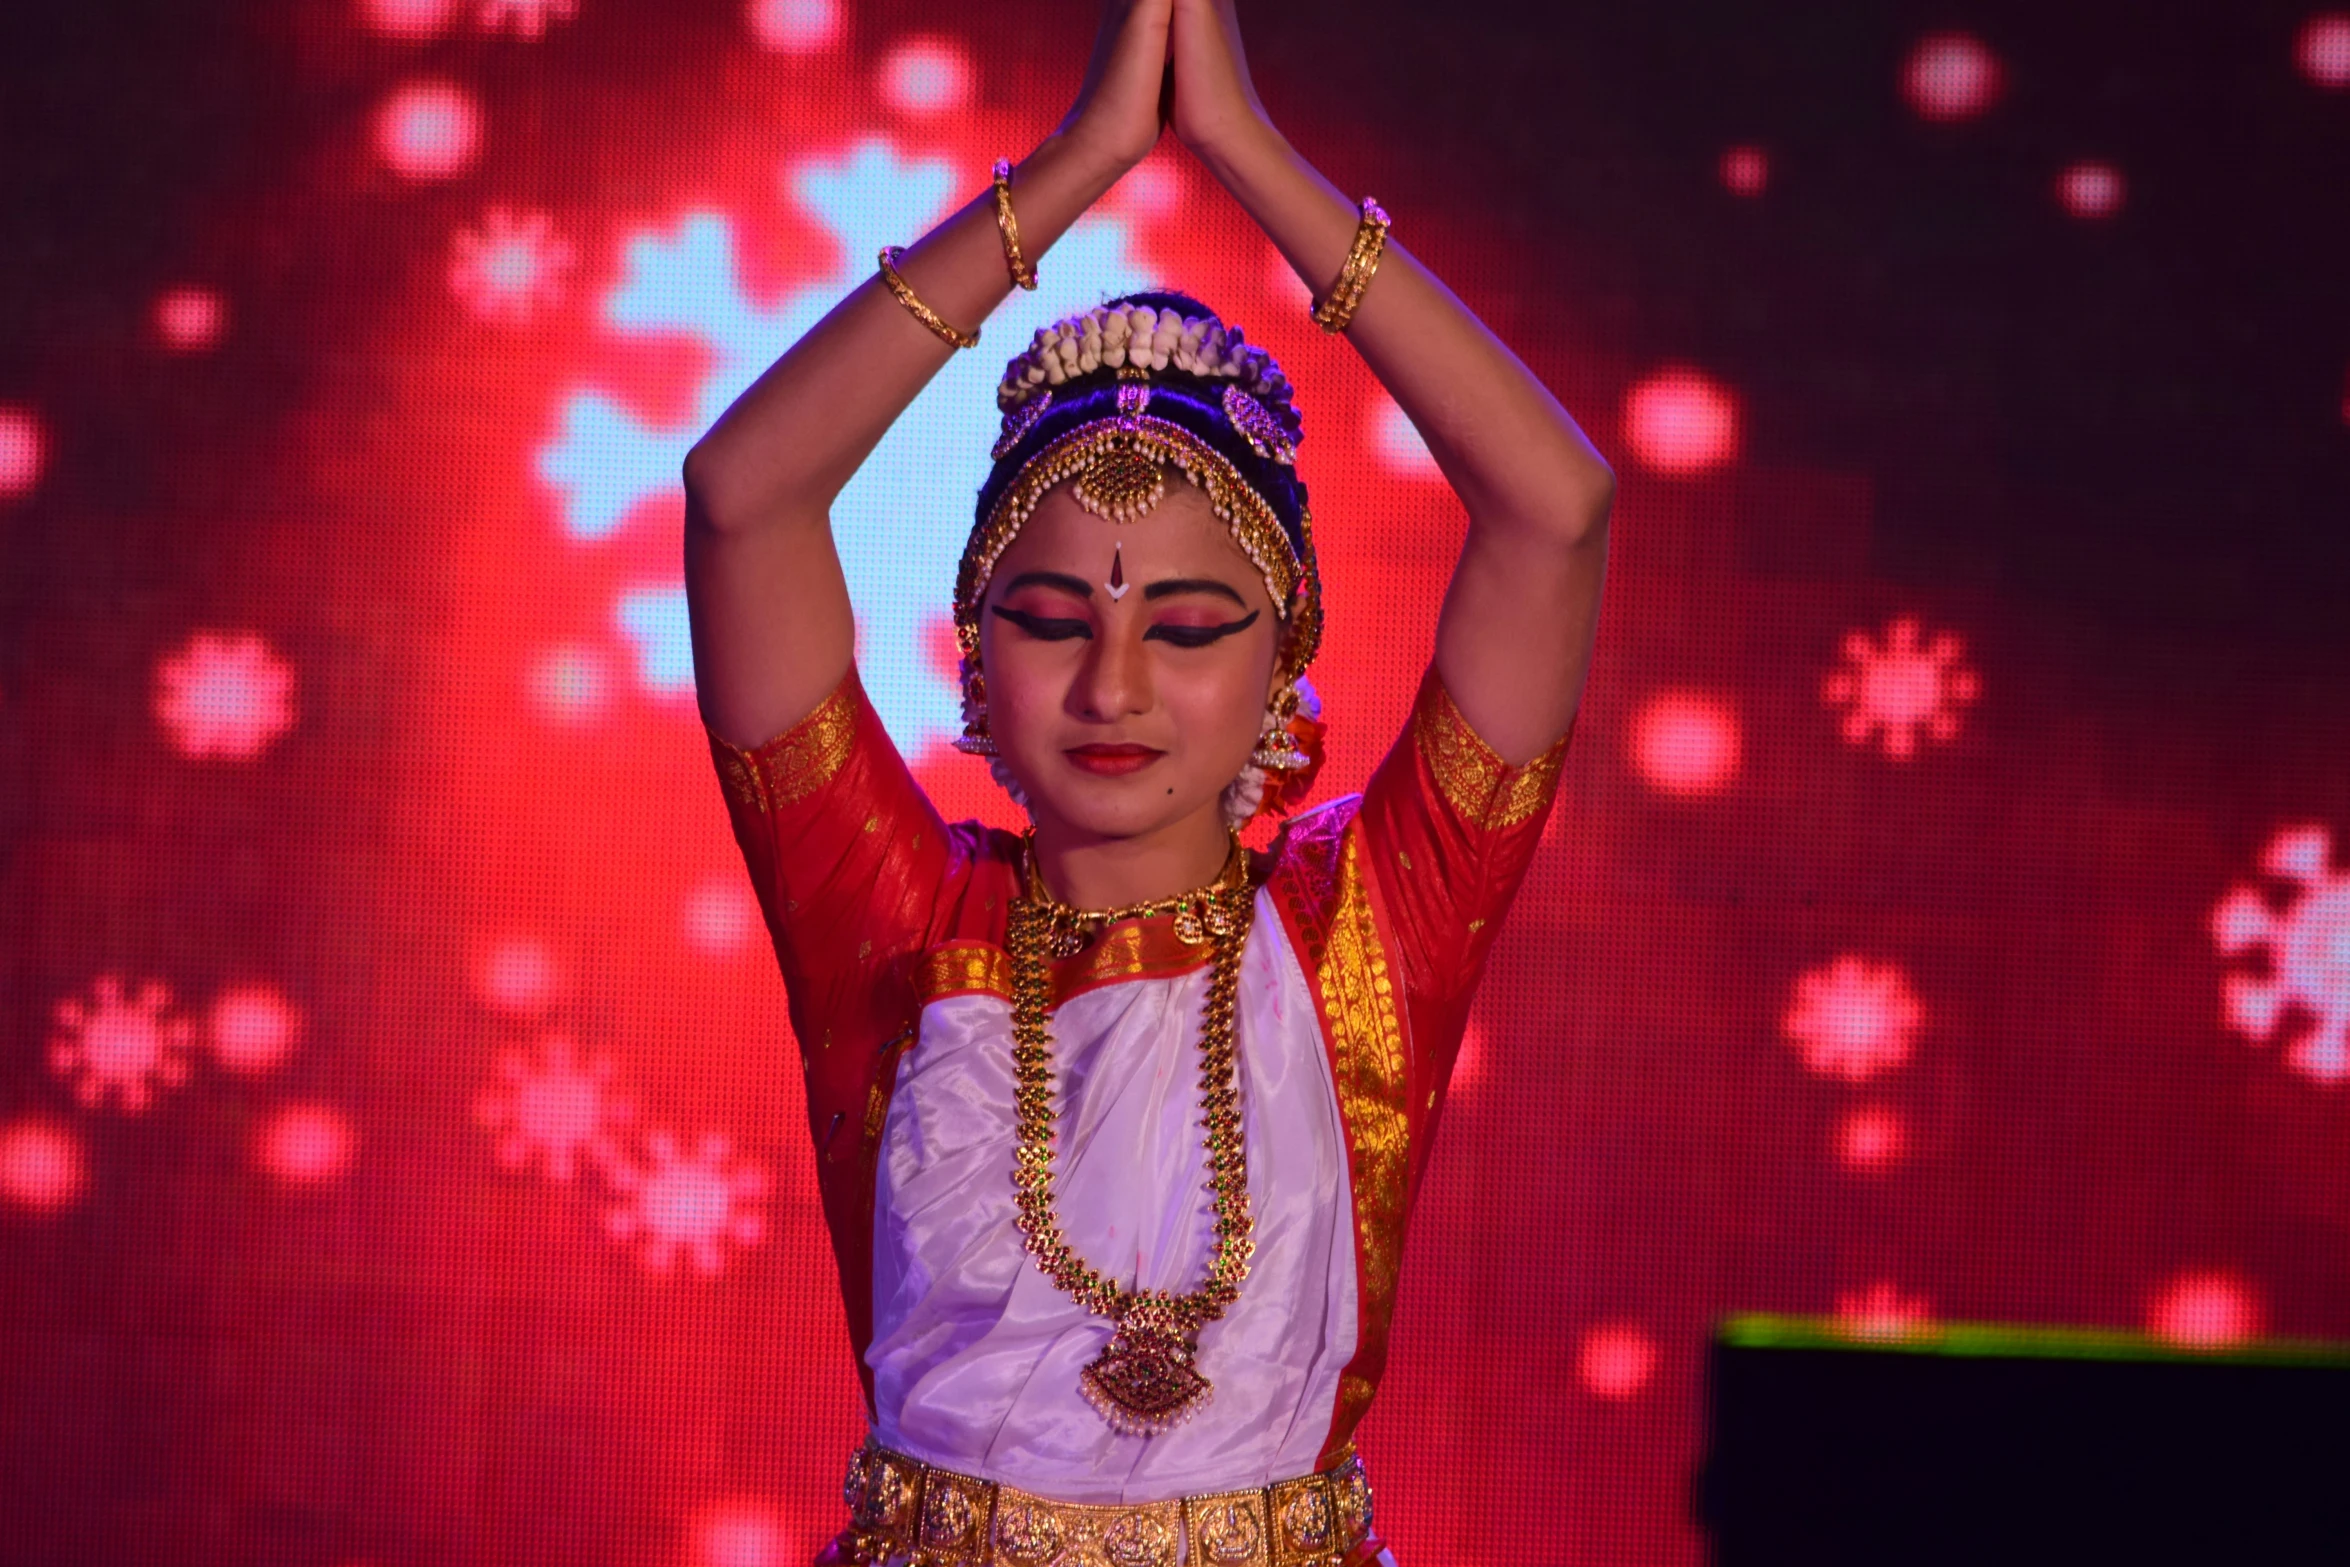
(1145,1380)
(1200,915)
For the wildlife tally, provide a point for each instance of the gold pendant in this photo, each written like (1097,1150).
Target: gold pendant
(1143,1382)
(1067,937)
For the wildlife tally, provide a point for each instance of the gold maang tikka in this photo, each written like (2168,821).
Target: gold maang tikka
(1123,482)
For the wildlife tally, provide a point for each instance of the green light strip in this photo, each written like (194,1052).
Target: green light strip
(2016,1341)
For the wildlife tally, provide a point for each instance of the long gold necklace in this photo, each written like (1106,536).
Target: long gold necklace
(1145,1379)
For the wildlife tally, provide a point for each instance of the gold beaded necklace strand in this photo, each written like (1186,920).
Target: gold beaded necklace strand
(1145,1380)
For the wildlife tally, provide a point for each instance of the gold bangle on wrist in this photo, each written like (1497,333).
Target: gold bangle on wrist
(914,306)
(1009,226)
(1337,309)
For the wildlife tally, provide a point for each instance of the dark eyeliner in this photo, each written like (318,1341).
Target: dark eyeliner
(1042,629)
(1201,636)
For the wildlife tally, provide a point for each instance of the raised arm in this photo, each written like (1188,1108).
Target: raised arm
(1514,642)
(772,629)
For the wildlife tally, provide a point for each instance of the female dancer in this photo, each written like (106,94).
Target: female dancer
(1102,1314)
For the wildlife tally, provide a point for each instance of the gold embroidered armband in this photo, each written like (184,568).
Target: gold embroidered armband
(1486,791)
(796,763)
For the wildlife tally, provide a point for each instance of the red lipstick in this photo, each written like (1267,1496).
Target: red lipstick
(1112,761)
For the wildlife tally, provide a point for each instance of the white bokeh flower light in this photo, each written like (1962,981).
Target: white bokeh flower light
(2304,995)
(899,525)
(701,1206)
(121,1044)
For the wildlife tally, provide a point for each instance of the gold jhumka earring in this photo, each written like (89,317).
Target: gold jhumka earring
(975,740)
(1277,748)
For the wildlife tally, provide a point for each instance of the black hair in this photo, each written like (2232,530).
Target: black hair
(1194,402)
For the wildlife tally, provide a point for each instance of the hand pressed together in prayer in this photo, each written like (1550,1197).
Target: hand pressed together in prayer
(773,630)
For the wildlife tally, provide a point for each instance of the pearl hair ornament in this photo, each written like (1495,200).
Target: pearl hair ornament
(1144,338)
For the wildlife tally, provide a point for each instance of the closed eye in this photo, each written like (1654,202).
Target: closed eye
(1042,627)
(1200,636)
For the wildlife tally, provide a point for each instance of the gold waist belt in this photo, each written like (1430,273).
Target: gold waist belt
(901,1508)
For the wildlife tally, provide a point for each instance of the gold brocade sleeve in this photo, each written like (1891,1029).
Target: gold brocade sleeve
(842,846)
(1480,788)
(796,763)
(1451,828)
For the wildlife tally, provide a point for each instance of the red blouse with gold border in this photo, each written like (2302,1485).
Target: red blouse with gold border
(1391,900)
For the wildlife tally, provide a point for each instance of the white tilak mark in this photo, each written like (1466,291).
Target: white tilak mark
(1118,585)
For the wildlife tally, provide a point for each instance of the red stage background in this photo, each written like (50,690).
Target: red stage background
(1946,915)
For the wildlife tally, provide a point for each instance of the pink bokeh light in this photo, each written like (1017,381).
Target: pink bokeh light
(2091,190)
(555,1111)
(224,694)
(1883,1314)
(926,76)
(1687,743)
(2205,1309)
(120,1045)
(740,1532)
(24,451)
(523,18)
(721,916)
(1745,171)
(2323,50)
(1951,77)
(700,1206)
(1872,1139)
(1895,690)
(509,269)
(795,26)
(407,19)
(190,319)
(306,1144)
(42,1167)
(570,684)
(519,977)
(1616,1361)
(1680,421)
(1853,1019)
(2304,995)
(252,1028)
(428,130)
